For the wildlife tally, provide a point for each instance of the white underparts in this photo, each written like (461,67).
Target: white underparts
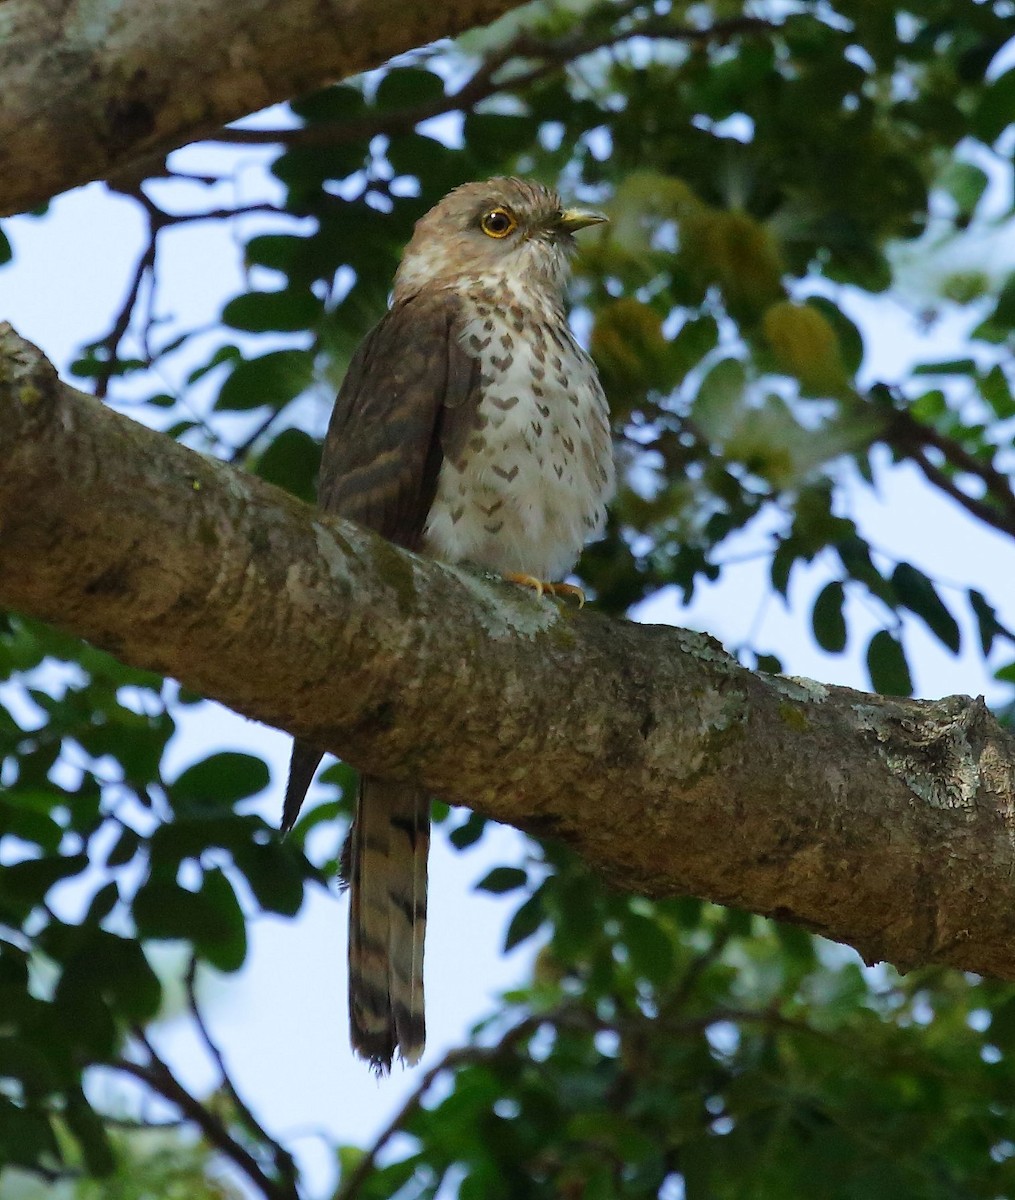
(531,485)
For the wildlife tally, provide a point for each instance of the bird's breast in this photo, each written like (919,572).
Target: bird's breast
(528,484)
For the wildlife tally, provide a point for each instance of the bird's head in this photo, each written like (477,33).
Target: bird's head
(503,228)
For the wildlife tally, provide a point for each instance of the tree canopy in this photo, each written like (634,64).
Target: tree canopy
(774,175)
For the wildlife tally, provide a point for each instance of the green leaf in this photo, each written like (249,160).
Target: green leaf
(409,87)
(339,102)
(1002,1025)
(503,879)
(427,158)
(986,619)
(30,821)
(850,339)
(827,619)
(719,401)
(115,968)
(996,390)
(886,663)
(526,921)
(223,942)
(650,948)
(291,461)
(103,903)
(272,380)
(916,592)
(965,183)
(276,251)
(6,253)
(274,874)
(26,1137)
(305,169)
(695,338)
(787,553)
(28,1064)
(998,326)
(91,1135)
(950,366)
(124,848)
(219,781)
(494,138)
(224,354)
(855,556)
(286,311)
(189,836)
(210,919)
(468,833)
(996,108)
(25,884)
(770,663)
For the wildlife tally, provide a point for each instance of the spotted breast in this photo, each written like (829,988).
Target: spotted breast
(530,483)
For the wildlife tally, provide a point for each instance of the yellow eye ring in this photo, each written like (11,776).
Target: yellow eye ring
(498,223)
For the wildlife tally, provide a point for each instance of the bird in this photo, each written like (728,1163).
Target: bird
(471,427)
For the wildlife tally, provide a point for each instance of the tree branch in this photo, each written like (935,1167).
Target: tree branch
(549,56)
(85,98)
(881,822)
(910,438)
(157,1075)
(285,1168)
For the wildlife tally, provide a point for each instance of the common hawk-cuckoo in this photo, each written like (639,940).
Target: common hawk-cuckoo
(471,426)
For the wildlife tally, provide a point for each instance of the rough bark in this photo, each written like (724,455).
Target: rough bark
(884,823)
(87,89)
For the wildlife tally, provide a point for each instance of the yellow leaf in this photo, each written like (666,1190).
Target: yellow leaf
(805,345)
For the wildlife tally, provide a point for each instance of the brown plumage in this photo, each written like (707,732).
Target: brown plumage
(470,426)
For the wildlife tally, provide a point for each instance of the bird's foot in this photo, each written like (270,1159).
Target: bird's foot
(541,586)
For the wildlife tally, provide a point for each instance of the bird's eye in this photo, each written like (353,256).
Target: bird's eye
(498,223)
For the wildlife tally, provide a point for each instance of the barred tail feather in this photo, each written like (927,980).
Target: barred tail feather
(389,843)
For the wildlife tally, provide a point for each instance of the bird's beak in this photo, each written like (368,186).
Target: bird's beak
(573,219)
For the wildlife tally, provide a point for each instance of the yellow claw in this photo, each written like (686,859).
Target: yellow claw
(539,586)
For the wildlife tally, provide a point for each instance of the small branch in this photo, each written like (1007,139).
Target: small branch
(158,1076)
(239,452)
(555,55)
(910,438)
(145,267)
(977,508)
(283,1160)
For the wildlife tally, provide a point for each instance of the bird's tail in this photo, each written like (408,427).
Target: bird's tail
(386,871)
(302,765)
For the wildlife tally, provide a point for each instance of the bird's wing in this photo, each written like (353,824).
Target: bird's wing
(409,387)
(410,390)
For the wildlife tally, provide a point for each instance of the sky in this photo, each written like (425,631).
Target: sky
(282,1020)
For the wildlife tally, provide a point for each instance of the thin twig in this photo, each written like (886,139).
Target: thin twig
(158,1076)
(239,451)
(911,438)
(556,55)
(978,508)
(283,1160)
(145,266)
